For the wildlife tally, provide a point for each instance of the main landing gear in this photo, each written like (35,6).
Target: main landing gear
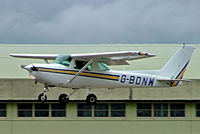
(91,99)
(64,98)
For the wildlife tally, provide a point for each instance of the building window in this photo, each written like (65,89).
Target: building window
(117,110)
(161,110)
(198,110)
(101,110)
(144,110)
(25,110)
(41,110)
(177,110)
(84,110)
(58,110)
(2,109)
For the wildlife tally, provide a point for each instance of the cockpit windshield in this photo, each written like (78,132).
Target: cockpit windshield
(63,59)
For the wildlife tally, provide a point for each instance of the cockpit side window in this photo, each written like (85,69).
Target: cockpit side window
(81,64)
(63,59)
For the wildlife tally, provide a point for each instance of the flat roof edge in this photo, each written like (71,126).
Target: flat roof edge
(119,101)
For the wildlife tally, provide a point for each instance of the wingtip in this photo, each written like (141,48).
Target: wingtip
(147,54)
(12,55)
(152,55)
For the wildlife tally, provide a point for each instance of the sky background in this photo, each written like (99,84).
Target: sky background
(99,21)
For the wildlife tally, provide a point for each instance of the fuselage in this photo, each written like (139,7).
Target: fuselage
(59,75)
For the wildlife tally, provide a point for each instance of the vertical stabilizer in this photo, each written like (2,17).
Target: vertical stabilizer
(176,66)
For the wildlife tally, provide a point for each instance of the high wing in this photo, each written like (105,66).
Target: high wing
(109,58)
(113,58)
(36,56)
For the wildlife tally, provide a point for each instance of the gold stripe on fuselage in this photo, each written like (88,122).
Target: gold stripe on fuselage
(83,73)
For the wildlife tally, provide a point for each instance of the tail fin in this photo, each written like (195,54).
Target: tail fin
(176,66)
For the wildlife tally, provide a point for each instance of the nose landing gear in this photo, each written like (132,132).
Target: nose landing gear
(43,97)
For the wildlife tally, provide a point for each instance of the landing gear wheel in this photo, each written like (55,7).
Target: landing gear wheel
(42,97)
(91,99)
(63,98)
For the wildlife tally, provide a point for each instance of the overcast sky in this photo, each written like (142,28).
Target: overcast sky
(99,21)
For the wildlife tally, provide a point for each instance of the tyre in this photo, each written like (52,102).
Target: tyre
(63,98)
(91,99)
(42,97)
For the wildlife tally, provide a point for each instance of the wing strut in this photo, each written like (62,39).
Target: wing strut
(80,71)
(46,61)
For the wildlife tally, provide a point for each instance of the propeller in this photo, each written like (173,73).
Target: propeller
(29,68)
(23,66)
(33,68)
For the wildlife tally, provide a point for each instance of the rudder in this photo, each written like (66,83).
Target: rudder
(176,66)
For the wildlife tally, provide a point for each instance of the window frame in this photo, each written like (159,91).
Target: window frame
(47,110)
(50,110)
(84,110)
(108,110)
(123,110)
(197,110)
(100,111)
(64,110)
(3,110)
(144,110)
(177,110)
(26,110)
(160,110)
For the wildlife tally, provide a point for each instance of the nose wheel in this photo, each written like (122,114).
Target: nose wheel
(43,97)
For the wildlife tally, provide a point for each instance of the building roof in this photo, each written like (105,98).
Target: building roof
(10,67)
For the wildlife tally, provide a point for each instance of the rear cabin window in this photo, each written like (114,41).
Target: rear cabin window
(102,66)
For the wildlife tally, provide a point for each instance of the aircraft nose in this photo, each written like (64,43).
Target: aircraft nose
(29,68)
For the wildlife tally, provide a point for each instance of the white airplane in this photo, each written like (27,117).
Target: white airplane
(89,71)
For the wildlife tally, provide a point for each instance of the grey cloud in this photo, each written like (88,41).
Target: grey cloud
(99,21)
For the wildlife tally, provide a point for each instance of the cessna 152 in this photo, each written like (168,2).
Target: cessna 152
(89,71)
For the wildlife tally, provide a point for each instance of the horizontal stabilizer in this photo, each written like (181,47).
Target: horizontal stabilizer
(170,80)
